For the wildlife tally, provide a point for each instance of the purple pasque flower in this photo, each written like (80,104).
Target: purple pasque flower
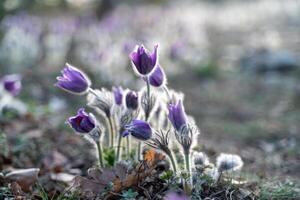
(82,122)
(12,84)
(143,60)
(175,196)
(139,129)
(157,78)
(177,115)
(131,100)
(73,80)
(118,95)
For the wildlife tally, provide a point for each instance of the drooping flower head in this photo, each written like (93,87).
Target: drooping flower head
(175,196)
(82,122)
(177,115)
(12,84)
(118,95)
(131,100)
(139,129)
(144,61)
(229,162)
(73,80)
(157,78)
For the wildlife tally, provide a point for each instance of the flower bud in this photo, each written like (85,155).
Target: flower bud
(118,95)
(73,80)
(139,129)
(143,60)
(157,78)
(12,84)
(132,100)
(177,115)
(82,122)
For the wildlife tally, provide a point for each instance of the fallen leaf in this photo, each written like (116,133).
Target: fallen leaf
(24,177)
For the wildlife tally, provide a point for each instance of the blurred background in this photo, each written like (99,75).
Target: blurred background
(237,61)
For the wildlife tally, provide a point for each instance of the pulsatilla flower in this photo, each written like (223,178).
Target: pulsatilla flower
(73,80)
(229,162)
(139,129)
(82,122)
(131,100)
(118,95)
(144,61)
(177,115)
(157,78)
(12,84)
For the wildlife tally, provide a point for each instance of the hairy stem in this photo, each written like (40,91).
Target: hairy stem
(188,183)
(128,149)
(119,147)
(172,159)
(147,113)
(111,131)
(100,157)
(167,92)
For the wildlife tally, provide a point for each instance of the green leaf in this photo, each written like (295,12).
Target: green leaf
(167,175)
(109,156)
(129,195)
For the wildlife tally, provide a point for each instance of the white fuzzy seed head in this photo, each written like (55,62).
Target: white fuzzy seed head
(229,162)
(200,159)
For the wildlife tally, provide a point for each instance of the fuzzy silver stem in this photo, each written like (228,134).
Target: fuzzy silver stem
(119,147)
(188,183)
(128,149)
(172,159)
(100,157)
(111,131)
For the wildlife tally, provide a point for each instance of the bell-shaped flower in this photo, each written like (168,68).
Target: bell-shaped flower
(73,80)
(139,129)
(157,78)
(177,115)
(131,100)
(82,122)
(12,84)
(144,61)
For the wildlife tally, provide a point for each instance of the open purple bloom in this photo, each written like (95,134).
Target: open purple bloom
(82,122)
(143,60)
(175,196)
(131,100)
(73,80)
(157,78)
(139,129)
(177,115)
(118,94)
(12,84)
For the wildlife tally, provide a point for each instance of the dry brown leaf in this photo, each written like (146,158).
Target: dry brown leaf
(24,177)
(87,185)
(119,175)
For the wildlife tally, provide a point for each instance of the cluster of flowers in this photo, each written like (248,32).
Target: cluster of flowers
(150,116)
